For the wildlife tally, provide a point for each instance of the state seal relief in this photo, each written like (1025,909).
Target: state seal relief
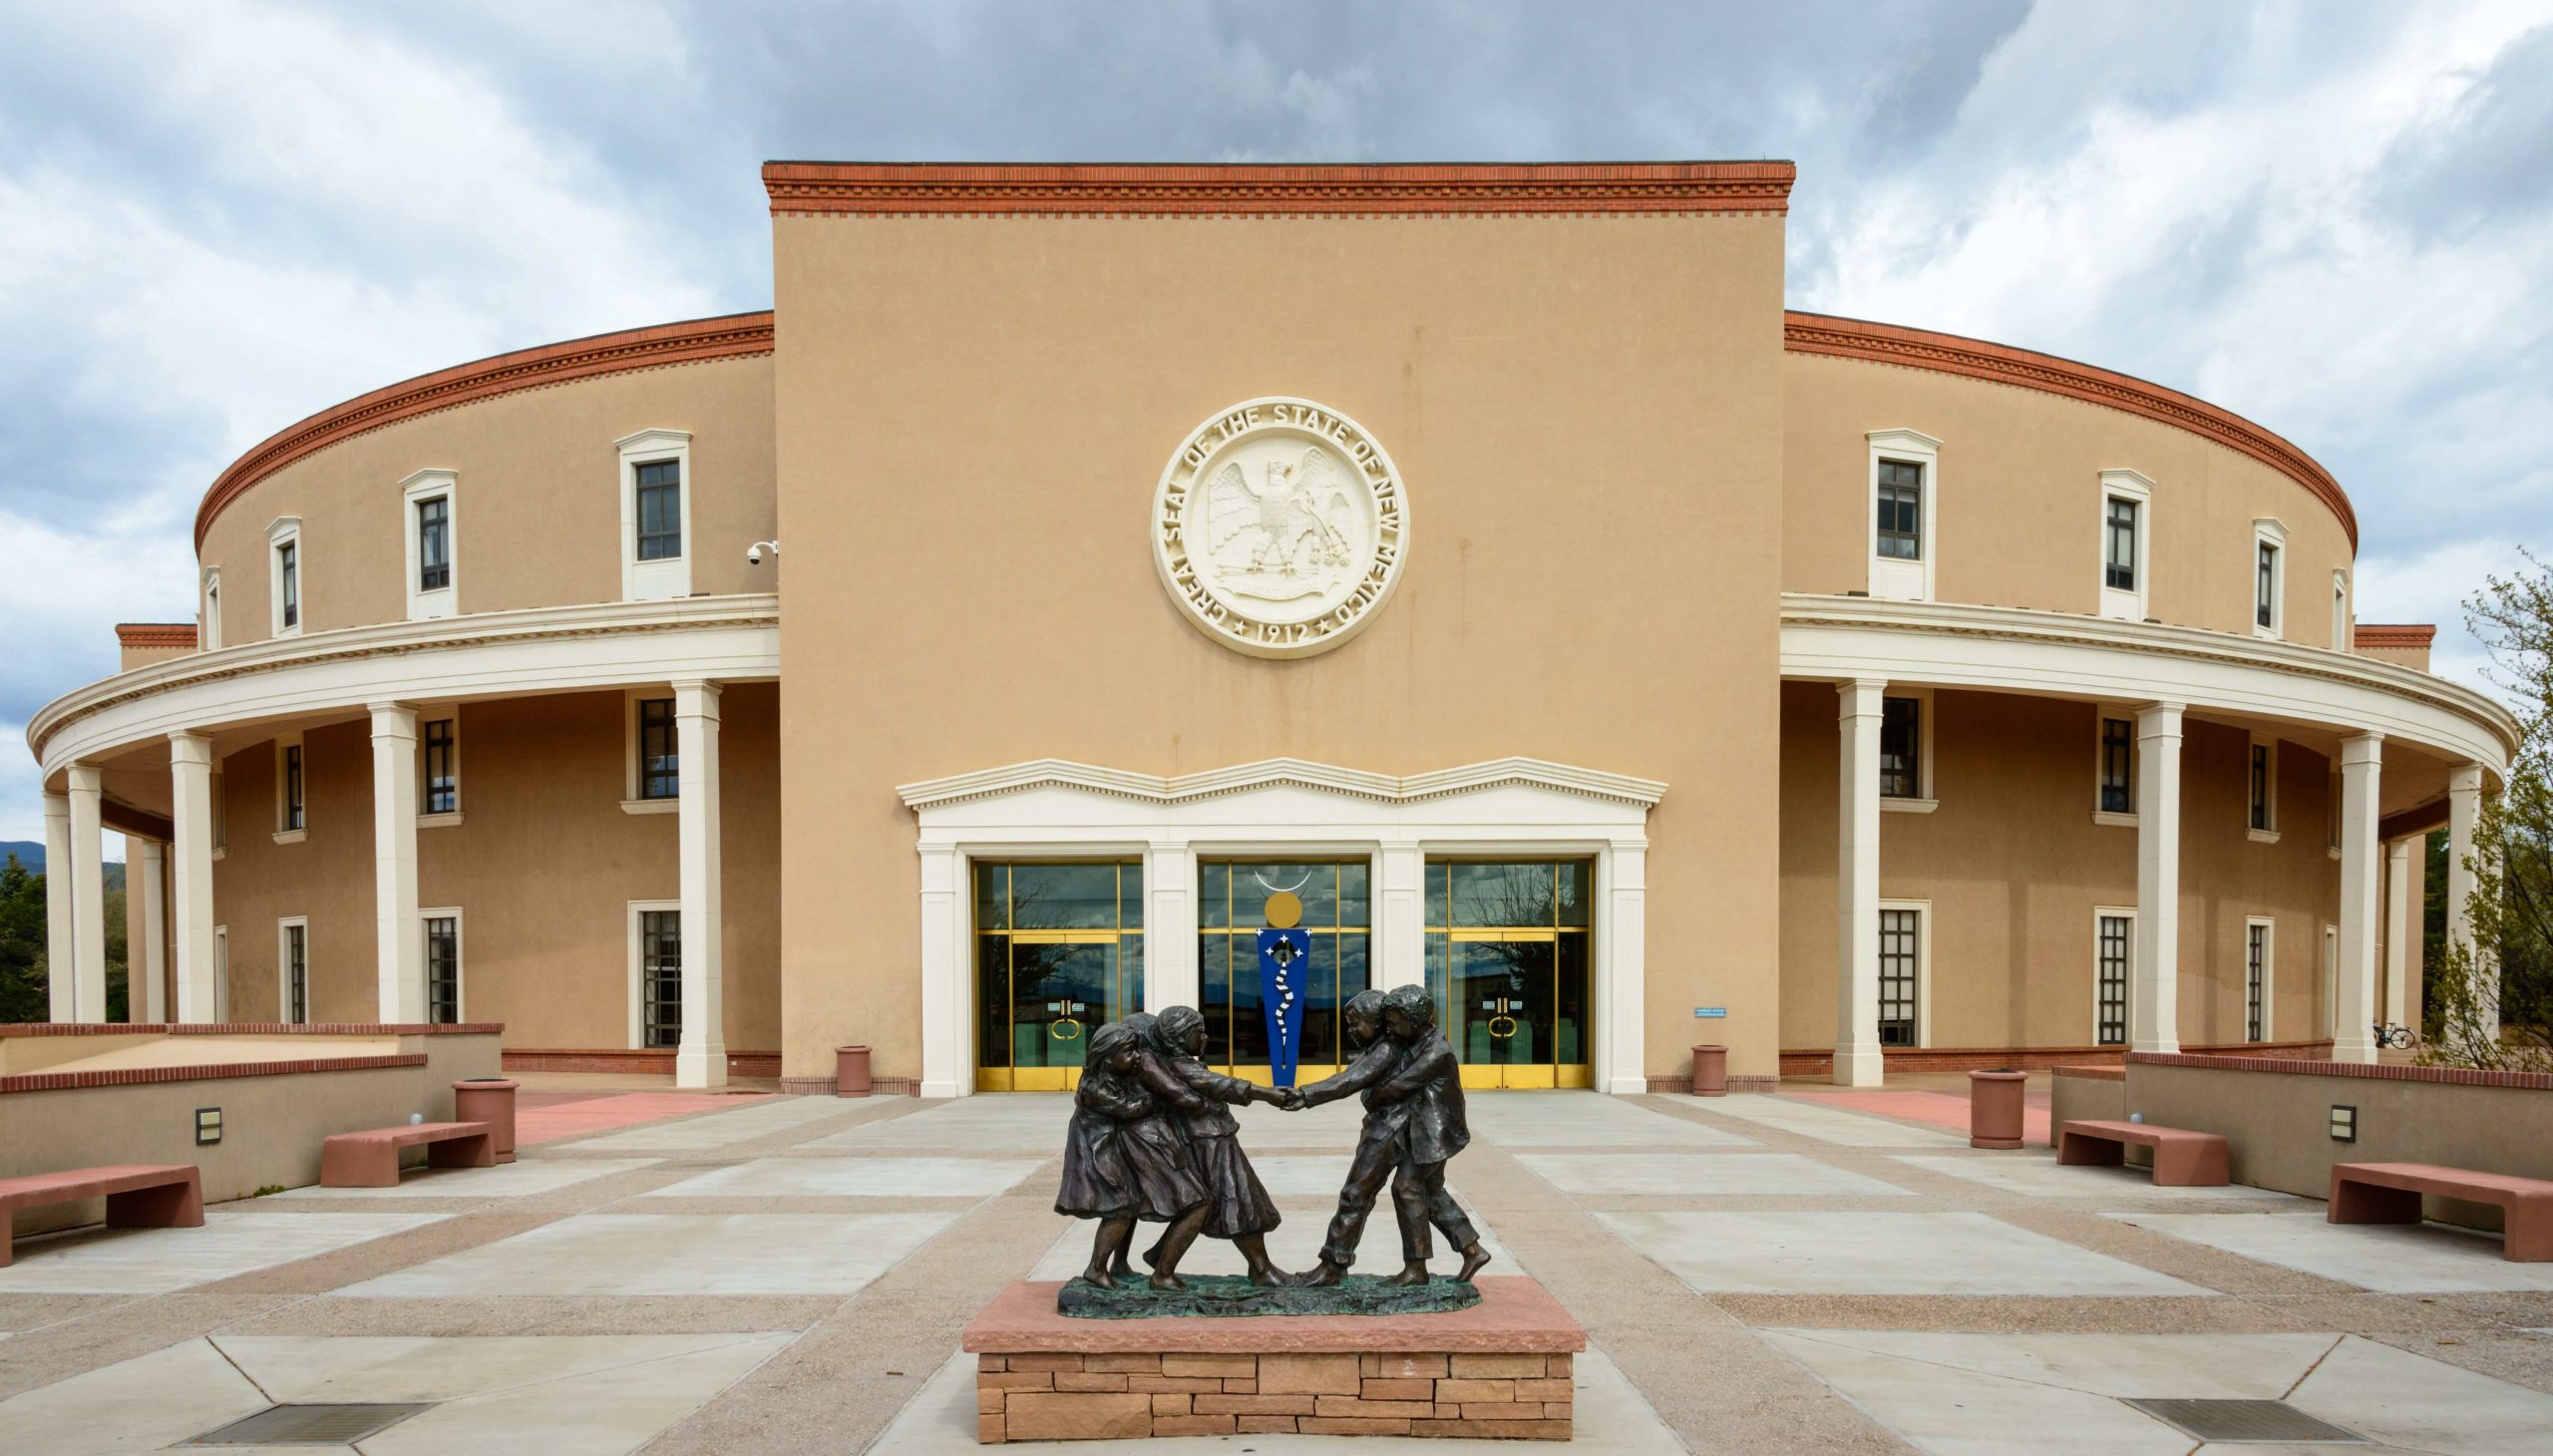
(1279,527)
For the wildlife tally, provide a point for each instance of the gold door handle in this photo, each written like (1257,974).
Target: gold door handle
(1064,1028)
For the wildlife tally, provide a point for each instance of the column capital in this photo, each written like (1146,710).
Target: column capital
(701,685)
(2362,747)
(2464,778)
(389,705)
(1859,697)
(56,806)
(83,778)
(192,748)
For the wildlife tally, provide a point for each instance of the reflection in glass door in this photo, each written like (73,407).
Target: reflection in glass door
(1506,958)
(1059,952)
(1232,906)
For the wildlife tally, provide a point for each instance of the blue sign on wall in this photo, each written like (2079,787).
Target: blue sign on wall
(1285,959)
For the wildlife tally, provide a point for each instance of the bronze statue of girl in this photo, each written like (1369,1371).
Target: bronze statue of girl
(1238,1204)
(1125,1160)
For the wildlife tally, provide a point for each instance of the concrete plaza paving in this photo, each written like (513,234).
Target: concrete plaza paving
(1755,1275)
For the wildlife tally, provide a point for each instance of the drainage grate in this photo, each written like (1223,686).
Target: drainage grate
(2244,1420)
(308,1425)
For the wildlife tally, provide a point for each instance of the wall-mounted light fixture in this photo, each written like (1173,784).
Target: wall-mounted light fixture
(208,1126)
(2343,1124)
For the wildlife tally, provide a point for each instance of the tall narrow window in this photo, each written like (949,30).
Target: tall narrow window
(2264,588)
(1901,748)
(2256,981)
(2118,563)
(659,486)
(443,969)
(1901,510)
(292,816)
(659,755)
(434,543)
(661,977)
(2110,994)
(2118,766)
(2264,789)
(209,638)
(296,974)
(288,578)
(440,781)
(1899,974)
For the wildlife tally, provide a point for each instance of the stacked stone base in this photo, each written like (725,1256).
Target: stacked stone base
(1094,1397)
(1504,1368)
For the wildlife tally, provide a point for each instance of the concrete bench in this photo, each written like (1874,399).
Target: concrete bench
(2389,1192)
(139,1195)
(371,1159)
(2182,1158)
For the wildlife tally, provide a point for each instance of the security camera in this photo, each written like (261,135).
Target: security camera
(753,553)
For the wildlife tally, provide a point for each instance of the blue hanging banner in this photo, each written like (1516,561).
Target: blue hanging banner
(1284,959)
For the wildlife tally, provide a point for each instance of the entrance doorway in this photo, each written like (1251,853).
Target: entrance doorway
(1506,959)
(1231,906)
(1059,952)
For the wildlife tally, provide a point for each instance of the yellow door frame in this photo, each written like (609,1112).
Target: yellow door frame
(1041,1079)
(1518,1075)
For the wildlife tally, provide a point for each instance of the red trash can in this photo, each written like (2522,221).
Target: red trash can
(851,1071)
(1994,1109)
(1710,1071)
(489,1100)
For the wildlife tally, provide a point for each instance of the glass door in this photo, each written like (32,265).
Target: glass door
(1506,958)
(1059,952)
(1232,906)
(1503,1005)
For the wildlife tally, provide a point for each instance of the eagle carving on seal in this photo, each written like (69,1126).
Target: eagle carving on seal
(1286,536)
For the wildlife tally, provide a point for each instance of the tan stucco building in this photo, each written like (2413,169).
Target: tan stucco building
(1483,554)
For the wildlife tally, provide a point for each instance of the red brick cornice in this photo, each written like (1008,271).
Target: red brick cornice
(155,634)
(1886,343)
(1398,190)
(689,342)
(2375,634)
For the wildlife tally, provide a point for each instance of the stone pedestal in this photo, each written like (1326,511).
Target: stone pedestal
(1501,1368)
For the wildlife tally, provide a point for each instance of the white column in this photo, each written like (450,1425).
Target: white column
(1857,1057)
(88,894)
(2399,927)
(61,954)
(703,1059)
(1170,928)
(2362,776)
(146,937)
(190,798)
(2463,816)
(1622,996)
(1402,930)
(398,935)
(948,976)
(2154,1012)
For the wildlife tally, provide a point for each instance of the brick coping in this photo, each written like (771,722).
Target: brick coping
(2372,1071)
(249,1029)
(1515,1314)
(211,1072)
(2091,1074)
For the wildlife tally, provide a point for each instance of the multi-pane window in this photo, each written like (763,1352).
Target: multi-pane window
(2109,991)
(296,975)
(1337,914)
(434,543)
(2263,765)
(2118,545)
(1899,947)
(2256,982)
(292,815)
(661,977)
(659,486)
(442,782)
(2264,588)
(288,583)
(443,969)
(659,756)
(2118,766)
(1901,748)
(1901,510)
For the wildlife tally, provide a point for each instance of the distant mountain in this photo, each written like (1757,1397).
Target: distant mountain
(30,853)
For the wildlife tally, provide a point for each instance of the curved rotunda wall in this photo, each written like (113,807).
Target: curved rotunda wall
(537,512)
(2020,499)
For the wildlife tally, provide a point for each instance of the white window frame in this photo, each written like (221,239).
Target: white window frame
(2341,613)
(1891,577)
(2128,606)
(2266,531)
(284,927)
(2102,712)
(1923,957)
(436,714)
(1928,797)
(2103,913)
(630,803)
(671,578)
(2331,815)
(209,615)
(221,972)
(2268,927)
(2330,980)
(221,811)
(460,960)
(283,835)
(416,490)
(286,530)
(638,969)
(2266,836)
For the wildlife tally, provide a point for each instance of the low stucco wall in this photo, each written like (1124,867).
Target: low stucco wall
(273,1123)
(2276,1119)
(2077,1094)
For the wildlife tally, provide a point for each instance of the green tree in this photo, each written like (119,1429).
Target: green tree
(2511,906)
(23,997)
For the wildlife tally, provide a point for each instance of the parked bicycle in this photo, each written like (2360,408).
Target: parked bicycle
(2393,1035)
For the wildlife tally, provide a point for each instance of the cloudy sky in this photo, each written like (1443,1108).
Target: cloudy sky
(2334,218)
